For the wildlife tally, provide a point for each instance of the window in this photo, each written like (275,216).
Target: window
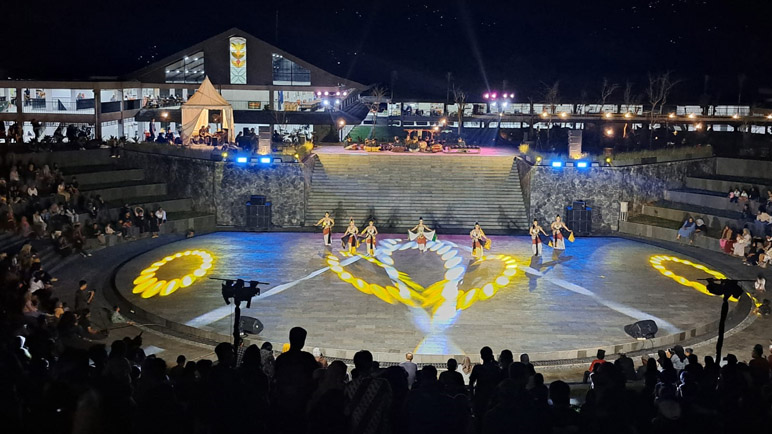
(189,69)
(288,72)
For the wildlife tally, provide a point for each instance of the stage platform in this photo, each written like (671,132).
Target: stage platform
(484,152)
(438,304)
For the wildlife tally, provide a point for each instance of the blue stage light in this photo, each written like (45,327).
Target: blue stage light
(557,164)
(266,160)
(241,159)
(581,164)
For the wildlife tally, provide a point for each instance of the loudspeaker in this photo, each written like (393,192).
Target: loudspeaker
(645,329)
(250,325)
(259,216)
(579,219)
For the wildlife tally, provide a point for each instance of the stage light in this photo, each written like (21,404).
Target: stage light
(608,115)
(735,116)
(581,164)
(337,101)
(671,115)
(493,95)
(628,115)
(241,159)
(345,93)
(698,126)
(224,155)
(557,164)
(544,114)
(486,95)
(265,160)
(691,116)
(318,93)
(164,114)
(337,93)
(506,103)
(538,160)
(609,132)
(608,160)
(326,102)
(326,93)
(148,285)
(493,104)
(563,115)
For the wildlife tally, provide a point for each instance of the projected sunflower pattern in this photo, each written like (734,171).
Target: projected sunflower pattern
(656,262)
(437,295)
(148,284)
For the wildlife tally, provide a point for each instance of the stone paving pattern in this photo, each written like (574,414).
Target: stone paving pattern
(531,314)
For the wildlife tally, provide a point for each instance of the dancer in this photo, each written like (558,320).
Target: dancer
(326,223)
(479,241)
(349,240)
(559,242)
(420,234)
(535,238)
(369,233)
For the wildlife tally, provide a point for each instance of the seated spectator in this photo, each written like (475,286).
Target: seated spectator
(753,254)
(744,196)
(117,318)
(727,240)
(32,191)
(760,285)
(701,227)
(746,213)
(687,230)
(626,367)
(753,193)
(600,358)
(741,242)
(677,357)
(25,229)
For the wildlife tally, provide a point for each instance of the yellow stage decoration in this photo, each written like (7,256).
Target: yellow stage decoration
(406,291)
(148,285)
(658,260)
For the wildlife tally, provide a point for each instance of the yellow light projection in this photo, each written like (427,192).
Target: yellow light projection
(406,291)
(656,262)
(148,284)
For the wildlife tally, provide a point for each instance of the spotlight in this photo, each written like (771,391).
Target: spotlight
(345,93)
(628,115)
(266,160)
(608,160)
(538,160)
(609,132)
(557,164)
(224,155)
(241,159)
(493,104)
(563,115)
(735,116)
(486,95)
(318,93)
(608,115)
(326,93)
(581,164)
(691,116)
(337,93)
(671,115)
(493,95)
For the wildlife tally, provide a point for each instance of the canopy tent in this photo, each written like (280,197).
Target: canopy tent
(195,112)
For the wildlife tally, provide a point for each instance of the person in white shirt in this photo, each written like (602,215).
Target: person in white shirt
(32,191)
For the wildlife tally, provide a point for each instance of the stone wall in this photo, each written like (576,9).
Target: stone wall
(184,177)
(282,184)
(551,190)
(224,188)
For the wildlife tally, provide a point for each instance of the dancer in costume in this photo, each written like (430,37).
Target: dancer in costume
(421,234)
(349,240)
(558,241)
(369,233)
(479,241)
(326,223)
(536,243)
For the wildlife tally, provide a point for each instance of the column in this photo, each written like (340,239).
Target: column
(98,113)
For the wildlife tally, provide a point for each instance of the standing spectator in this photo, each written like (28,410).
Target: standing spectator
(600,358)
(429,409)
(626,366)
(451,380)
(294,382)
(759,366)
(411,369)
(267,359)
(483,382)
(367,399)
(466,369)
(83,296)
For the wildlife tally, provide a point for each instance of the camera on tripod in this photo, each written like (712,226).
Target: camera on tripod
(239,291)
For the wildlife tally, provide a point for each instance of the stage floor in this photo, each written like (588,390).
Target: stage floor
(434,303)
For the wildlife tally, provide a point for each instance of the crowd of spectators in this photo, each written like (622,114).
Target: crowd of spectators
(40,203)
(55,379)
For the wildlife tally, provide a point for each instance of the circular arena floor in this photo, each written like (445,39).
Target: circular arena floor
(438,303)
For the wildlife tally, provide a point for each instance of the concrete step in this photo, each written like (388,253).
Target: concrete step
(110,175)
(63,159)
(714,222)
(126,190)
(722,184)
(705,198)
(757,169)
(665,234)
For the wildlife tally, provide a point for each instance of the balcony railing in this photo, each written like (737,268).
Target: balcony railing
(58,105)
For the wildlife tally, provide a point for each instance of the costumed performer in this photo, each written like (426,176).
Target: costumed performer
(369,233)
(421,233)
(558,240)
(326,223)
(535,232)
(479,241)
(350,241)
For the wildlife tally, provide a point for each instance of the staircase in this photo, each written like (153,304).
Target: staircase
(117,186)
(705,197)
(450,192)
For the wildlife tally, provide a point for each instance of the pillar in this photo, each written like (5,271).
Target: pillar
(98,113)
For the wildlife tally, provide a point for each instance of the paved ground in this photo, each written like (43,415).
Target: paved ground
(577,301)
(97,270)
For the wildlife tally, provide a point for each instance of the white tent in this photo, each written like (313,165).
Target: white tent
(195,112)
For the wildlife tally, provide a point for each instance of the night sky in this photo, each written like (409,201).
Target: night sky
(414,44)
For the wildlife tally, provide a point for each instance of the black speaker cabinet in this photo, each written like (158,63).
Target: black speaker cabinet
(579,219)
(250,325)
(259,216)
